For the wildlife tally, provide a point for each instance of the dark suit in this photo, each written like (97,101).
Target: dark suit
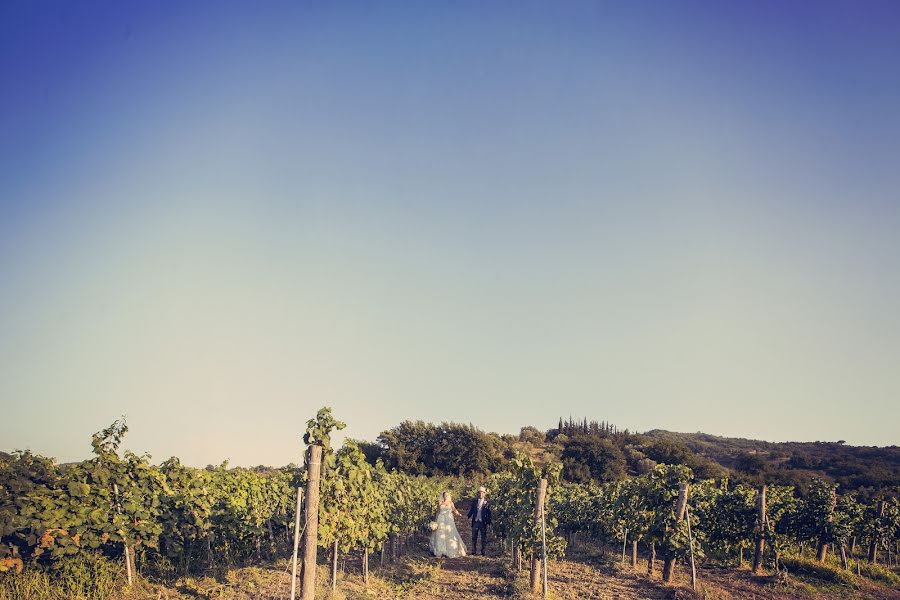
(479,525)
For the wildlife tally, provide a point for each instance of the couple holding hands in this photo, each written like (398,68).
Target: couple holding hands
(445,539)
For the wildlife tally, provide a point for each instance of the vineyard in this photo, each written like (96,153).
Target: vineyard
(118,526)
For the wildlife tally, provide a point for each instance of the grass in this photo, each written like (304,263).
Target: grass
(81,577)
(831,572)
(880,573)
(797,565)
(588,573)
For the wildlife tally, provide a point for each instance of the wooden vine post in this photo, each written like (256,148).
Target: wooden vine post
(124,541)
(544,551)
(296,542)
(318,440)
(334,563)
(535,578)
(873,543)
(822,550)
(691,545)
(311,531)
(105,444)
(365,566)
(680,507)
(770,537)
(761,531)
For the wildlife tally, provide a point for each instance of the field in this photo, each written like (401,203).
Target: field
(117,526)
(588,572)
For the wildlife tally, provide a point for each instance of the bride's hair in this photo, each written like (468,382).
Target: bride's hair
(445,497)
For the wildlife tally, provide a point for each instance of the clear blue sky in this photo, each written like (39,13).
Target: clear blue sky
(217,217)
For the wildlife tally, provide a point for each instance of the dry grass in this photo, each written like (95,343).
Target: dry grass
(589,573)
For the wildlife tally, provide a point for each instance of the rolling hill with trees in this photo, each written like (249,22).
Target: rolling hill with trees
(599,451)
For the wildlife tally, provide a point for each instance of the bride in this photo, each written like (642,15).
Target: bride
(445,539)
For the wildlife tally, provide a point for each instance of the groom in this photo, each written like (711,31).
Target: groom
(480,513)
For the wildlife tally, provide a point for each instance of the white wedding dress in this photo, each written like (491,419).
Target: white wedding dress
(445,540)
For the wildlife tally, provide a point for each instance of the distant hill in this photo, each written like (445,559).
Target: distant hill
(600,451)
(864,468)
(591,450)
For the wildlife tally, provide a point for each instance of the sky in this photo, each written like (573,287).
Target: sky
(216,218)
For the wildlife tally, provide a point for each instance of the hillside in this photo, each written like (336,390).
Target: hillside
(863,468)
(591,450)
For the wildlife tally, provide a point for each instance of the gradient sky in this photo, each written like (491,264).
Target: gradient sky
(216,218)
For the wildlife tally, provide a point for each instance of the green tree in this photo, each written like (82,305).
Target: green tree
(589,457)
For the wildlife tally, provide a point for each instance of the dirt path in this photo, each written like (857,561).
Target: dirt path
(474,577)
(419,576)
(575,580)
(465,578)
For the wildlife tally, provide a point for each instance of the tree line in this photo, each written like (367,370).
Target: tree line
(601,451)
